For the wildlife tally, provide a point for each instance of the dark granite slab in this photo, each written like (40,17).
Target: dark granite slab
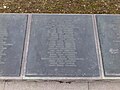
(62,46)
(109,33)
(12,33)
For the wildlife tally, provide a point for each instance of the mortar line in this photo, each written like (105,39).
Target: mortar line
(99,56)
(26,44)
(4,85)
(88,85)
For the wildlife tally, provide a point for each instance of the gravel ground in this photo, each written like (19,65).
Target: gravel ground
(60,6)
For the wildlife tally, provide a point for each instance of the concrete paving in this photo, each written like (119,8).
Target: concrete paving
(24,85)
(2,84)
(104,86)
(52,85)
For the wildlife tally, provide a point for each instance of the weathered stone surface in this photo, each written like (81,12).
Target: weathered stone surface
(62,46)
(12,32)
(109,33)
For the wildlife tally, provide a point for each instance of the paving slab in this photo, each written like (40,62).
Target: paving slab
(2,85)
(12,33)
(104,86)
(26,85)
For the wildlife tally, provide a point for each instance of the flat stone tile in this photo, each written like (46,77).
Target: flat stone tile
(109,33)
(104,86)
(62,46)
(16,85)
(12,33)
(2,85)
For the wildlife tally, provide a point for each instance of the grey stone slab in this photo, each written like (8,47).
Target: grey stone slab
(62,46)
(12,33)
(109,34)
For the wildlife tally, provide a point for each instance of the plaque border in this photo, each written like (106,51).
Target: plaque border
(65,78)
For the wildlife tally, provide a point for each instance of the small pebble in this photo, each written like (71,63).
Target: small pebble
(4,6)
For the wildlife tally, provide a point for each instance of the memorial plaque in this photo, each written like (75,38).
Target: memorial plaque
(109,33)
(62,46)
(12,32)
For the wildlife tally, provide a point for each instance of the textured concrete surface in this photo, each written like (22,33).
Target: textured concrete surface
(52,85)
(2,85)
(104,86)
(14,85)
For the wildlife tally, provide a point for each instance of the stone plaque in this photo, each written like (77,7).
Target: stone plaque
(62,46)
(109,33)
(12,33)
